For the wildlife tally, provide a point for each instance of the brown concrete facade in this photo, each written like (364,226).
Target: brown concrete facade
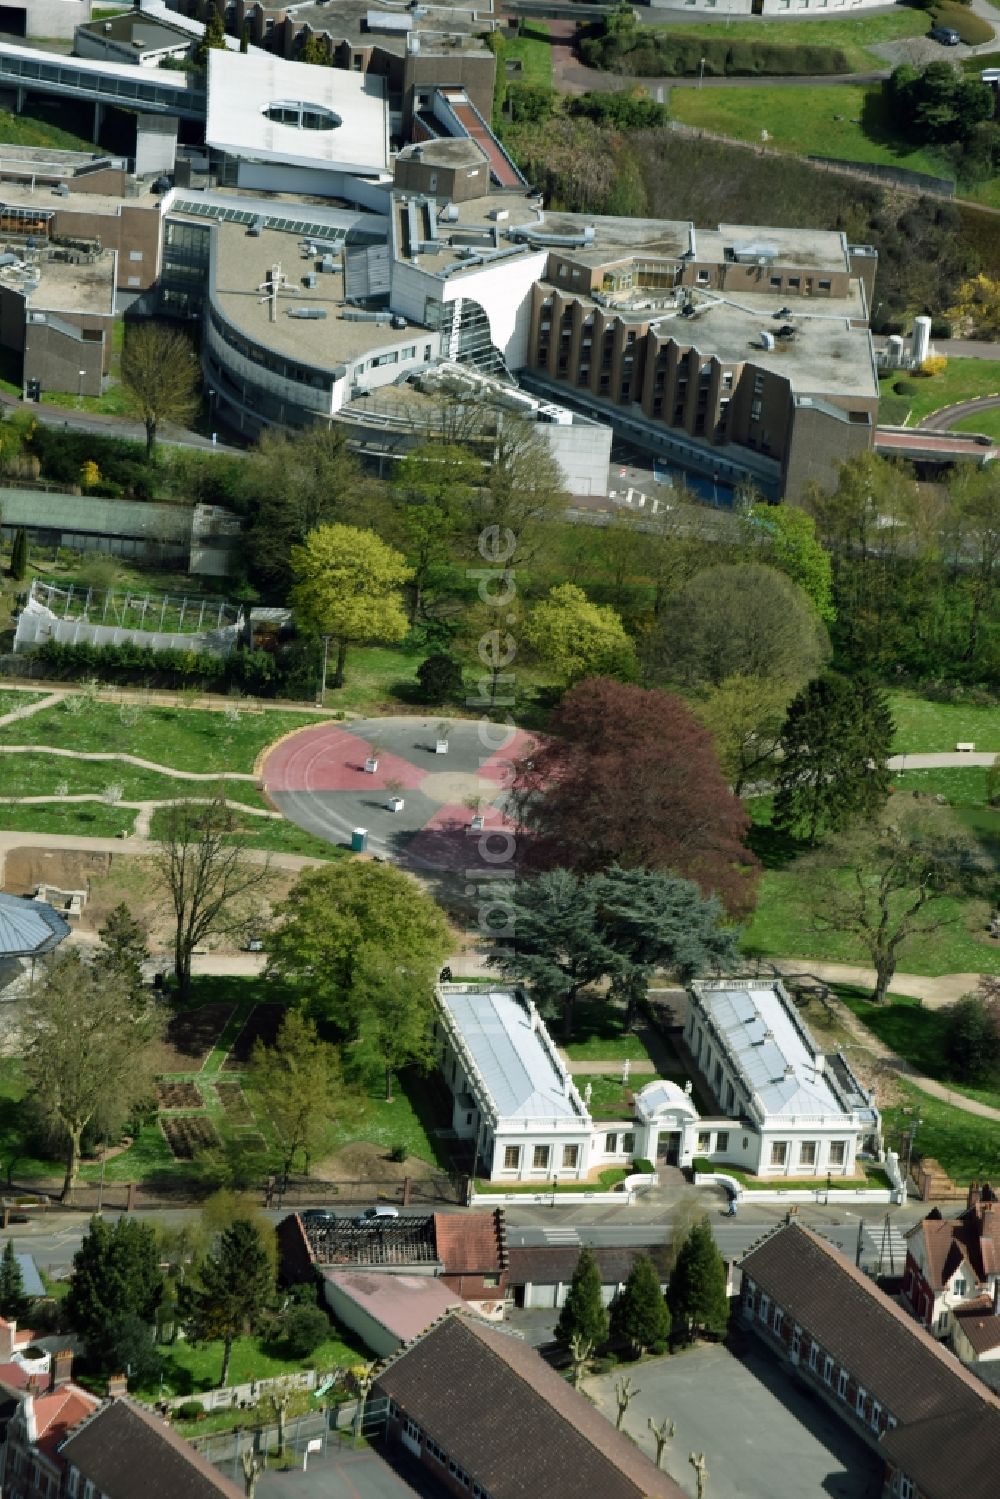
(134,232)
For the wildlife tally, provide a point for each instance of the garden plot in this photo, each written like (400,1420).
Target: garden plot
(171,1095)
(262,1024)
(188,1134)
(191,1036)
(233,1100)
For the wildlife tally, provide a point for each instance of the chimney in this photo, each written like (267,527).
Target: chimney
(117,1385)
(62,1368)
(8,1337)
(996,1297)
(973,1197)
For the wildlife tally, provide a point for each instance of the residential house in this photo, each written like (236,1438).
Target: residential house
(975,1334)
(951,1262)
(123,1451)
(32,1465)
(935,1425)
(488,1418)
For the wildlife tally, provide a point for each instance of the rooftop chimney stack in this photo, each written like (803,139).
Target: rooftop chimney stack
(62,1368)
(8,1338)
(973,1197)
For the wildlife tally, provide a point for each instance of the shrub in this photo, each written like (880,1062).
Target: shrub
(190,1410)
(941,328)
(641,1164)
(303,1329)
(440,679)
(398,1153)
(905,387)
(935,365)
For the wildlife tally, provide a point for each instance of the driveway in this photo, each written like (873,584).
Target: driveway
(345,1474)
(763,1435)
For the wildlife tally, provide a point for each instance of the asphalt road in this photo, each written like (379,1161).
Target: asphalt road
(111,426)
(945,419)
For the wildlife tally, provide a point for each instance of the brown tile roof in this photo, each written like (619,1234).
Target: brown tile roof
(471,1243)
(973,1237)
(511,1421)
(57,1413)
(980,1323)
(551,1264)
(896,1360)
(131,1454)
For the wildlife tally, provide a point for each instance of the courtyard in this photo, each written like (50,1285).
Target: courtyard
(780,1441)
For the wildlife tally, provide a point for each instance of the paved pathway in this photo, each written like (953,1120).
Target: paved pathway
(934,992)
(947,761)
(50,700)
(946,417)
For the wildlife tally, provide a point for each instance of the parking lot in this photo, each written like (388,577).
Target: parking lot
(764,1435)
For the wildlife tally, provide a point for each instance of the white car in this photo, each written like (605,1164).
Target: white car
(371,1216)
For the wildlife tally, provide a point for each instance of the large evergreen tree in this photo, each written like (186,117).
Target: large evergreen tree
(19,555)
(123,947)
(13,1302)
(233,1289)
(640,1315)
(696,1294)
(584,1314)
(116,1281)
(834,757)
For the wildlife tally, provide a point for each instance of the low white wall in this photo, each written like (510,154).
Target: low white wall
(819,1193)
(559,1199)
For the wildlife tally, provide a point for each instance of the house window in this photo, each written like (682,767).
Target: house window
(135,255)
(778,1320)
(571,1157)
(828,1370)
(775,280)
(859,1403)
(807,1153)
(755,409)
(74,1482)
(758,385)
(491,1281)
(704,1141)
(511,1157)
(540,1158)
(702,278)
(960,1287)
(814,1356)
(610,1144)
(838,1150)
(795,281)
(718,1074)
(796,1340)
(824,286)
(942,1322)
(876,1415)
(765,1307)
(905,1489)
(779,1152)
(722,1140)
(628,1144)
(843,1378)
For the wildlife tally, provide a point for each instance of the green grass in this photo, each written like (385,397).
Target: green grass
(44,775)
(893,410)
(379,678)
(967,1147)
(609,1099)
(606,1181)
(986,422)
(600,1035)
(32,130)
(873,1178)
(11,700)
(184,738)
(265,833)
(926,727)
(854,36)
(77,820)
(963,380)
(534,52)
(191,1368)
(842,121)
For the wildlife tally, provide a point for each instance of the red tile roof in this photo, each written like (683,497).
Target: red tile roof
(471,1243)
(972,1238)
(980,1324)
(57,1412)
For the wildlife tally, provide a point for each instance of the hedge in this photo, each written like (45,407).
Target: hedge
(292,673)
(673,54)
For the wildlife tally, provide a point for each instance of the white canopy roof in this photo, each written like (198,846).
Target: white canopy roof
(29,928)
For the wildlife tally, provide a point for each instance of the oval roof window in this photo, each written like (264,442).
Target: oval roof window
(302,116)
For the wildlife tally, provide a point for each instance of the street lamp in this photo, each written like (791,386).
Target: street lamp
(701,74)
(555,1185)
(909,1144)
(321,698)
(83,376)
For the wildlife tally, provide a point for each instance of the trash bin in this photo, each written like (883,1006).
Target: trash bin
(359,840)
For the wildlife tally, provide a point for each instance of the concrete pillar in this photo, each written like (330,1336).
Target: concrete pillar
(21,95)
(133,1191)
(98,117)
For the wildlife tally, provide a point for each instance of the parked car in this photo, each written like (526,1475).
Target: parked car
(946,35)
(375,1215)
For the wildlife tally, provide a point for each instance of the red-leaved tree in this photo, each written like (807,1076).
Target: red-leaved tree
(628,776)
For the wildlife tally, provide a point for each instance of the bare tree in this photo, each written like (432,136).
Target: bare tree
(253,1467)
(214,885)
(700,1466)
(625,1393)
(580,1349)
(662,1434)
(160,377)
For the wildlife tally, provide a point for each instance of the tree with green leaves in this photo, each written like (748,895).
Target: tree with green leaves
(160,376)
(558,949)
(834,767)
(362,944)
(232,1290)
(19,555)
(349,588)
(316,51)
(577,638)
(650,919)
(787,537)
(293,483)
(85,1043)
(583,1314)
(440,679)
(431,491)
(745,716)
(13,1301)
(888,882)
(123,948)
(972,1037)
(696,1294)
(299,1081)
(213,38)
(116,1280)
(639,1313)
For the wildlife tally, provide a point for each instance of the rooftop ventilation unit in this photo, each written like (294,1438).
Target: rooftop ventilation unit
(312,313)
(256,227)
(766,340)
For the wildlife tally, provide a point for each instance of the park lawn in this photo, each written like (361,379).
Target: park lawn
(191,1368)
(73,819)
(610,1098)
(986,422)
(199,739)
(926,727)
(967,1146)
(853,35)
(606,1182)
(599,1034)
(533,49)
(270,834)
(963,380)
(377,679)
(11,700)
(48,775)
(846,122)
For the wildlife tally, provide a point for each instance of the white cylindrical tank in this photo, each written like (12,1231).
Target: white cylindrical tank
(894,350)
(921,340)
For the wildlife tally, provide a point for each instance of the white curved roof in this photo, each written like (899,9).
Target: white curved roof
(661,1097)
(29,927)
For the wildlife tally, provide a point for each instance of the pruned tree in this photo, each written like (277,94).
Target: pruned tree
(523,489)
(625,1393)
(663,1433)
(252,1464)
(628,776)
(889,882)
(299,1081)
(580,1350)
(214,884)
(431,491)
(639,1314)
(834,766)
(294,483)
(348,587)
(583,1313)
(160,376)
(85,1038)
(233,1289)
(700,1466)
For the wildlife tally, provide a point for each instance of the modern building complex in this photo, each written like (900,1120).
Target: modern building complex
(781,1108)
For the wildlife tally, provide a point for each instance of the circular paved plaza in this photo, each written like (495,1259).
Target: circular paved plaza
(318,780)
